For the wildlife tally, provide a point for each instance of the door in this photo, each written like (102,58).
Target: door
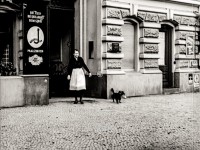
(165,53)
(61,46)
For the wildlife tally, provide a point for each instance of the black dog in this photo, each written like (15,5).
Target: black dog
(117,96)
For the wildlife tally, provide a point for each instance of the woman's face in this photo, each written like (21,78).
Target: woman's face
(76,54)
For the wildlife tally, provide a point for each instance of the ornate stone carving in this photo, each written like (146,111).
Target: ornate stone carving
(114,30)
(150,63)
(162,17)
(151,48)
(114,64)
(151,33)
(142,14)
(182,49)
(114,13)
(124,13)
(153,17)
(110,46)
(189,21)
(177,19)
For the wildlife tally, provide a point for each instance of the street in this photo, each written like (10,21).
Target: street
(156,122)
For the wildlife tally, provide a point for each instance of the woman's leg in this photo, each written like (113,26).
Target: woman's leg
(81,92)
(76,97)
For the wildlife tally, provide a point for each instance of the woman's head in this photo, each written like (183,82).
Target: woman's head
(76,53)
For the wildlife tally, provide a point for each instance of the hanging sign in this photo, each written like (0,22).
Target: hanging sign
(35,39)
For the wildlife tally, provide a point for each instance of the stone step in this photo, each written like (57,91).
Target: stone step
(171,91)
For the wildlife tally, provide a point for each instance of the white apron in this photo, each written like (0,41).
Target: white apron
(77,81)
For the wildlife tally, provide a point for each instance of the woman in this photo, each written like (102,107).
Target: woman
(76,75)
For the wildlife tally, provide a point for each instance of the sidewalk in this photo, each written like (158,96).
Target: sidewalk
(159,122)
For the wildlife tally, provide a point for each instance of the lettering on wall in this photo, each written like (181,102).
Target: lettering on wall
(35,43)
(114,64)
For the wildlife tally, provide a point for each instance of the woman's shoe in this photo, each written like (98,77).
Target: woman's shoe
(81,102)
(76,102)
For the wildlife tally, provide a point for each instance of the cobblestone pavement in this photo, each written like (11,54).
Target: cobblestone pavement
(161,122)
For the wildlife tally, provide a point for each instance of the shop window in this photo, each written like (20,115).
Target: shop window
(128,31)
(6,39)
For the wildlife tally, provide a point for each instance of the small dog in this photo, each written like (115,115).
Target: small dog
(117,96)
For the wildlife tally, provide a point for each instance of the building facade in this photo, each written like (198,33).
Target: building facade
(140,46)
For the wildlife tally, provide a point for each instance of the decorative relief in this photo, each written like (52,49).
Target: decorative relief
(114,64)
(182,49)
(151,63)
(142,14)
(114,30)
(184,64)
(151,33)
(117,13)
(151,17)
(151,48)
(124,13)
(111,47)
(183,34)
(189,21)
(162,17)
(114,13)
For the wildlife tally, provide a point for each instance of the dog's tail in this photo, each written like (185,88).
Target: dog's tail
(112,90)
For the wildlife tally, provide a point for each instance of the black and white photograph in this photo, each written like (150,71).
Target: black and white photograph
(99,74)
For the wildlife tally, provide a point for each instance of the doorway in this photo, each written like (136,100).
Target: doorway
(165,53)
(61,44)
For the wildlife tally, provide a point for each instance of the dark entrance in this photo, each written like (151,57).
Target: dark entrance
(61,44)
(165,62)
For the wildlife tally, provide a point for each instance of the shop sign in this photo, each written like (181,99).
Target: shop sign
(190,78)
(35,39)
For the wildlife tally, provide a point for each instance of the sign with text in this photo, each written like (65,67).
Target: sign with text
(35,39)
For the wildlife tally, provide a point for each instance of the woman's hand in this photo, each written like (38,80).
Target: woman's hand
(90,74)
(68,77)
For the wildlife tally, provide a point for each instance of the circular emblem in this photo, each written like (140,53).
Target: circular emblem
(35,37)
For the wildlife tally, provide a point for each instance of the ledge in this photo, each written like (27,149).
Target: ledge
(187,70)
(149,40)
(180,42)
(35,75)
(116,4)
(113,22)
(150,71)
(150,25)
(113,55)
(182,56)
(113,38)
(153,56)
(114,72)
